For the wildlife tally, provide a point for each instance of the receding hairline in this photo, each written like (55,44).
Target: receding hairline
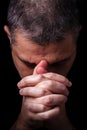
(40,31)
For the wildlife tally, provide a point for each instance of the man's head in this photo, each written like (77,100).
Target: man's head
(43,21)
(43,29)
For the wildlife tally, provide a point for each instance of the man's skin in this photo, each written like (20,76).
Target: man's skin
(44,85)
(46,98)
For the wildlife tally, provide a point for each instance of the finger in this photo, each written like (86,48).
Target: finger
(48,114)
(33,92)
(50,100)
(31,80)
(53,87)
(37,108)
(42,116)
(59,78)
(41,67)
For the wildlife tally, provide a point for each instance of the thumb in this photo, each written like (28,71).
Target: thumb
(41,67)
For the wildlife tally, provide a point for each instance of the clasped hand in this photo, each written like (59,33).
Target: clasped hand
(43,93)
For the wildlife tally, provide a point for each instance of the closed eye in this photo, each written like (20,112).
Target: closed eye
(59,62)
(31,65)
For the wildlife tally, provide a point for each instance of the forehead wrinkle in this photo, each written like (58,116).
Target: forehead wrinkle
(35,52)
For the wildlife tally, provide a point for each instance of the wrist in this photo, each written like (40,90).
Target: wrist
(20,124)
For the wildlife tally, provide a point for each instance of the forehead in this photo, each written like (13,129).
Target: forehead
(26,49)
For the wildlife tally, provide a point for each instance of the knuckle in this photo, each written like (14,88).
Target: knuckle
(45,116)
(49,83)
(49,101)
(45,108)
(45,92)
(64,79)
(39,77)
(51,75)
(63,88)
(50,115)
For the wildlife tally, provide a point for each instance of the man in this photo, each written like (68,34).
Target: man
(43,38)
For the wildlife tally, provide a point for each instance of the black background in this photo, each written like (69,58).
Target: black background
(9,97)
